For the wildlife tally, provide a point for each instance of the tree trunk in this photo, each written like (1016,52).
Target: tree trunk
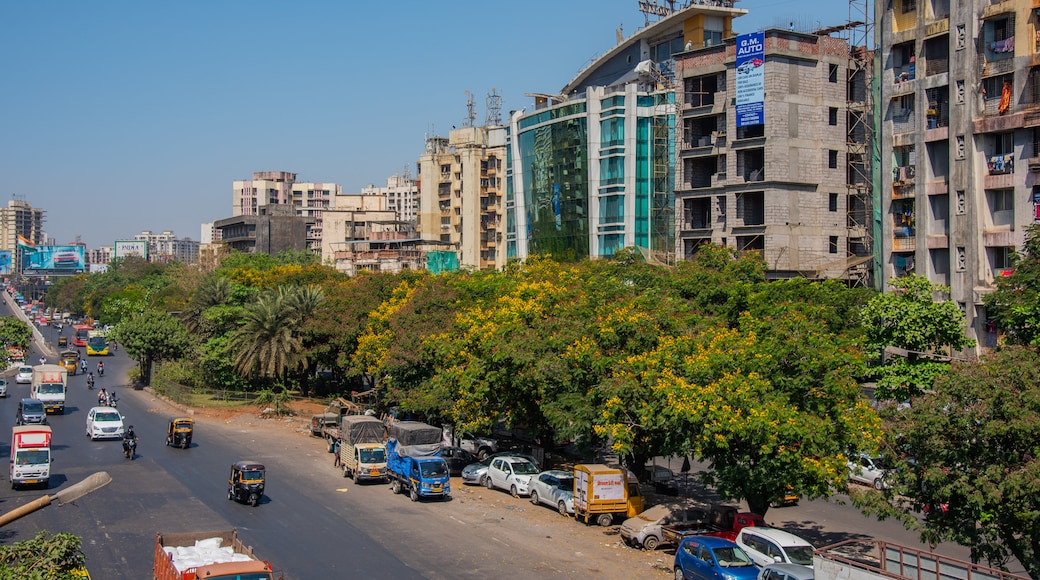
(758,505)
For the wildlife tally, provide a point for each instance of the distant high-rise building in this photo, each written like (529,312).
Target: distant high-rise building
(20,218)
(267,188)
(166,247)
(402,196)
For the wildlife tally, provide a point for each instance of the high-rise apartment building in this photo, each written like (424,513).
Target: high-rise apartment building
(306,199)
(781,180)
(402,196)
(959,178)
(461,194)
(20,218)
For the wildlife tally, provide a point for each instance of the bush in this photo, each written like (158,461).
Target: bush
(178,371)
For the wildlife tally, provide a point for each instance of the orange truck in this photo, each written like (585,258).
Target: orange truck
(602,493)
(184,557)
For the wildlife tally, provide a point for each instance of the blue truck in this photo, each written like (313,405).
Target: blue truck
(414,464)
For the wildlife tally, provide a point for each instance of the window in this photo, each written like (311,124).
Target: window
(832,116)
(832,202)
(1004,143)
(832,245)
(1002,200)
(1001,29)
(832,74)
(832,159)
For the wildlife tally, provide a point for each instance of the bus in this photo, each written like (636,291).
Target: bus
(81,333)
(97,345)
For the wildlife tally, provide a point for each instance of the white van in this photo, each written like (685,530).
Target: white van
(769,545)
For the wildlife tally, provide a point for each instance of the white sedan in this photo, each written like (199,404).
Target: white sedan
(24,376)
(510,473)
(104,423)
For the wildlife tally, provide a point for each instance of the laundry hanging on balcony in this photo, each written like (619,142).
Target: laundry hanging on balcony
(1001,164)
(1006,45)
(1005,98)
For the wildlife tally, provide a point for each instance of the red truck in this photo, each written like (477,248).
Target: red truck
(171,547)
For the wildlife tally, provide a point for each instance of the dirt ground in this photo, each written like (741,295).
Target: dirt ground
(588,549)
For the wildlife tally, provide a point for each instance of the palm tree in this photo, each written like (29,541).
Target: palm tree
(266,344)
(213,291)
(303,300)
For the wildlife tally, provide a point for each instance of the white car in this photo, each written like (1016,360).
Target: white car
(554,488)
(104,423)
(510,473)
(868,471)
(770,545)
(3,388)
(24,376)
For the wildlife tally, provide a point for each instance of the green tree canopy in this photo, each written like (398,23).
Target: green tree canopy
(56,557)
(153,336)
(1015,305)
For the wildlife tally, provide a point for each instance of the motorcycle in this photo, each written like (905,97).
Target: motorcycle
(90,382)
(101,371)
(130,447)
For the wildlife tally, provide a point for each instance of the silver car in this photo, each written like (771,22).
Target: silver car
(474,473)
(868,471)
(554,488)
(3,388)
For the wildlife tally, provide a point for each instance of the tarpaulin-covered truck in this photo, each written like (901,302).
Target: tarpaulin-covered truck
(210,555)
(48,385)
(362,452)
(602,492)
(414,464)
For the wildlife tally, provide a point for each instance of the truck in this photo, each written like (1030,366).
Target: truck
(602,492)
(362,451)
(192,555)
(30,455)
(414,464)
(717,520)
(326,424)
(870,559)
(49,385)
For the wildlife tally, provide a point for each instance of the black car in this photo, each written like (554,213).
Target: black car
(457,459)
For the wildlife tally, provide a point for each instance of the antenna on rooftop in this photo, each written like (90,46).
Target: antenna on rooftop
(494,109)
(471,111)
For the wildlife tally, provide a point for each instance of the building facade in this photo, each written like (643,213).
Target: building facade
(461,194)
(959,178)
(167,247)
(269,188)
(402,196)
(277,228)
(777,183)
(20,218)
(591,170)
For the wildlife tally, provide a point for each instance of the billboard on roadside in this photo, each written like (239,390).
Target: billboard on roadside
(53,259)
(127,248)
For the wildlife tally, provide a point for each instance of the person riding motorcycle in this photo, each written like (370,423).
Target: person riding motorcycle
(83,365)
(129,436)
(101,368)
(102,396)
(90,381)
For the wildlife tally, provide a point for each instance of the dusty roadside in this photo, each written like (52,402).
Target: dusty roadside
(582,550)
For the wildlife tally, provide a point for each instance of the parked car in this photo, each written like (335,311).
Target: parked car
(3,388)
(474,473)
(770,545)
(482,447)
(24,376)
(457,459)
(785,572)
(644,530)
(510,473)
(554,488)
(104,423)
(868,470)
(711,558)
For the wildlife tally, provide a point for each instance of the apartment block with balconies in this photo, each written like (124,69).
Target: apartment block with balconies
(960,142)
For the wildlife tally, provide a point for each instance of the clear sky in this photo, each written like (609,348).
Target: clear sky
(121,116)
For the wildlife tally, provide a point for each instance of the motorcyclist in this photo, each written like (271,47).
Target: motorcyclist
(129,436)
(101,368)
(83,365)
(90,381)
(102,396)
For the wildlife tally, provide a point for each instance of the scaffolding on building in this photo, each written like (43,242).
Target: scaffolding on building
(861,144)
(664,143)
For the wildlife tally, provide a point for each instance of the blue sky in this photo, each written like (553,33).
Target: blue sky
(120,116)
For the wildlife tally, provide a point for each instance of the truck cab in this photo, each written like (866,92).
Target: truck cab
(30,455)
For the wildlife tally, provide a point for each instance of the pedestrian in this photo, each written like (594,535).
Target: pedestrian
(335,452)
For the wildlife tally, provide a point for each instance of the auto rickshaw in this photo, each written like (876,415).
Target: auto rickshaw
(179,432)
(246,482)
(70,360)
(63,341)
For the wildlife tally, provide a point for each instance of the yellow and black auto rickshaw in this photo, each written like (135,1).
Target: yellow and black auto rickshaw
(63,341)
(246,482)
(70,360)
(179,432)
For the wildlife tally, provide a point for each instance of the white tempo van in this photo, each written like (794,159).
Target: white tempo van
(770,546)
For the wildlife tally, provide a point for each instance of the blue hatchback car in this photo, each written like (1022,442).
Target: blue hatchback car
(711,558)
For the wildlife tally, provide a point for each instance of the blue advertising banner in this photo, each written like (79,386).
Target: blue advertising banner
(751,79)
(51,258)
(5,262)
